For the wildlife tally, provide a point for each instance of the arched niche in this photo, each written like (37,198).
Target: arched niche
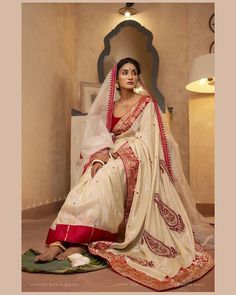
(130,39)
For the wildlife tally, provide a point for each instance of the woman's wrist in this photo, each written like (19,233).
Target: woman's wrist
(101,155)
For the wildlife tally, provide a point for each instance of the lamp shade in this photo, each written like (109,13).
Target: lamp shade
(202,77)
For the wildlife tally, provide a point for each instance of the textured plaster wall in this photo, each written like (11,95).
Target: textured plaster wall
(61,46)
(48,73)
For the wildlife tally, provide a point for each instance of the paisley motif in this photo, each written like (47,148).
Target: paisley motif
(173,220)
(159,248)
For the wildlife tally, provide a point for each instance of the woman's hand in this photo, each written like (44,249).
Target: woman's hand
(95,168)
(102,155)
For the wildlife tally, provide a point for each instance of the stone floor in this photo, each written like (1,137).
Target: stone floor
(33,236)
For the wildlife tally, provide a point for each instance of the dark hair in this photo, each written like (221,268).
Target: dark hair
(125,61)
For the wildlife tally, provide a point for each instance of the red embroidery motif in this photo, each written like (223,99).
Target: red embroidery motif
(141,261)
(131,165)
(159,248)
(173,220)
(164,168)
(101,245)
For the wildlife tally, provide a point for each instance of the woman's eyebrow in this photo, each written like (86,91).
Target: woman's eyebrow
(129,69)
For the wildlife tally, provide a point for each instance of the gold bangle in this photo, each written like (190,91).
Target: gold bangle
(98,161)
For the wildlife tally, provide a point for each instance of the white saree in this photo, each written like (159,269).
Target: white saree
(134,212)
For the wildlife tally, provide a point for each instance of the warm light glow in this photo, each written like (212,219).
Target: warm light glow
(203,81)
(127,14)
(202,86)
(127,11)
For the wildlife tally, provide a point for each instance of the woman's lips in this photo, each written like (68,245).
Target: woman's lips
(130,83)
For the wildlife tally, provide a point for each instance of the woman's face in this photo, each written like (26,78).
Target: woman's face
(127,76)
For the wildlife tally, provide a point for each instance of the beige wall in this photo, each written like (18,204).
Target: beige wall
(201,147)
(48,74)
(201,110)
(61,46)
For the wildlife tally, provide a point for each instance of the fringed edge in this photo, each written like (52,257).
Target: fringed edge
(164,140)
(111,98)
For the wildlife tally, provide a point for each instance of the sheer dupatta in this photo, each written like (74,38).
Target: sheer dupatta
(97,134)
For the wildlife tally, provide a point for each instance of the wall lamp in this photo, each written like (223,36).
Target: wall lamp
(128,10)
(202,78)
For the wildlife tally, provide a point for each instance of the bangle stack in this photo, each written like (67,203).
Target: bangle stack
(98,161)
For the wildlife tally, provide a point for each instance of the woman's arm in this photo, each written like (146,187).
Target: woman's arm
(102,155)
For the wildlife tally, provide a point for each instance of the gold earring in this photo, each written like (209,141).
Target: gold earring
(138,88)
(117,85)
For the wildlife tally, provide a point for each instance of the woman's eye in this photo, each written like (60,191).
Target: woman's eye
(126,73)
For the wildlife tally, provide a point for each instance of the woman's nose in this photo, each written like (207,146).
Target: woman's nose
(130,76)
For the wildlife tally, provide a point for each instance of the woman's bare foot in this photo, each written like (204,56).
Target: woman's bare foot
(71,250)
(49,254)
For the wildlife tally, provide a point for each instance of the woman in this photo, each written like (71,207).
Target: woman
(132,205)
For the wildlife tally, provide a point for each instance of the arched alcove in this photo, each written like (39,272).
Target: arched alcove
(131,39)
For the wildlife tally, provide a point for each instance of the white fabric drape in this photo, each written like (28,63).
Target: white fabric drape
(97,136)
(142,190)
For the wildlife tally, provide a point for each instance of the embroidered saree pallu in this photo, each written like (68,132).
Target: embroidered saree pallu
(136,212)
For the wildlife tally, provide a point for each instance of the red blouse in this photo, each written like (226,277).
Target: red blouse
(114,121)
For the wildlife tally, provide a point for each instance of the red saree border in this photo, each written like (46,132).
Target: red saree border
(201,265)
(128,119)
(78,234)
(163,139)
(131,166)
(111,97)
